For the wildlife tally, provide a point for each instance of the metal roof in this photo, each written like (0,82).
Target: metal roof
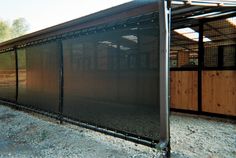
(189,12)
(222,3)
(219,32)
(215,15)
(133,8)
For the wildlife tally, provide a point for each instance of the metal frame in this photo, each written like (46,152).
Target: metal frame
(200,65)
(17,75)
(61,82)
(164,18)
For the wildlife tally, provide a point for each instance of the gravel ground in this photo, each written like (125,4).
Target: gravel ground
(202,137)
(31,135)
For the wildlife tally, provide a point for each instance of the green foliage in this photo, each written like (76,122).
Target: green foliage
(18,28)
(5,31)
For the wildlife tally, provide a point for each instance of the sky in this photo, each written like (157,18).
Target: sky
(41,14)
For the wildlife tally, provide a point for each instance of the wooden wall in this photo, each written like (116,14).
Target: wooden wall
(219,92)
(184,90)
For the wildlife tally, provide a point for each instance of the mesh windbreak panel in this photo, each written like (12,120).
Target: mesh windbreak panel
(7,76)
(111,79)
(211,56)
(220,43)
(229,56)
(39,76)
(184,47)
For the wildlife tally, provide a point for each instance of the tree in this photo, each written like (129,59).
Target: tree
(19,27)
(5,31)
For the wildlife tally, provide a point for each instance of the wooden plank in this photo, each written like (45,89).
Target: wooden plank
(219,92)
(183,58)
(184,90)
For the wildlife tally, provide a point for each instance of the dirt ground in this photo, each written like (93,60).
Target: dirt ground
(30,135)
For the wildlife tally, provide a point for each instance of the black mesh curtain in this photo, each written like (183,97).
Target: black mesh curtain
(111,78)
(7,76)
(39,76)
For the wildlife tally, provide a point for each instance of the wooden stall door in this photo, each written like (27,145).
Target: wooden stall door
(219,92)
(184,89)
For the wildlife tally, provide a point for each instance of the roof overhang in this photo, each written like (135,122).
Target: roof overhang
(190,12)
(212,3)
(185,13)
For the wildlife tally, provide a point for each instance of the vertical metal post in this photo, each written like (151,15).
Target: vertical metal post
(200,65)
(17,77)
(138,55)
(164,21)
(61,81)
(95,56)
(235,56)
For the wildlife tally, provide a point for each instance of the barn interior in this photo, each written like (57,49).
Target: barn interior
(203,57)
